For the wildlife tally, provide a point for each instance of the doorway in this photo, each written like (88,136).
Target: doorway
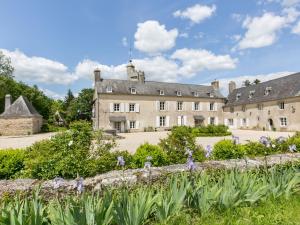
(270,124)
(117,126)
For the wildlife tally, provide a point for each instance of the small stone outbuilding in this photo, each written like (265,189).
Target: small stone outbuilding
(19,118)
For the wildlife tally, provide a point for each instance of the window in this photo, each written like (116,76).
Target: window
(109,89)
(283,121)
(131,107)
(179,106)
(211,95)
(244,122)
(238,96)
(268,91)
(162,121)
(212,106)
(251,94)
(196,94)
(162,106)
(132,124)
(230,122)
(133,91)
(196,106)
(178,93)
(232,109)
(116,107)
(260,106)
(212,121)
(281,105)
(161,92)
(244,108)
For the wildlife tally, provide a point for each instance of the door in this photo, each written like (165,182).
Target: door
(270,124)
(117,126)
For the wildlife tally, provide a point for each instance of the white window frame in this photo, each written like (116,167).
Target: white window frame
(132,124)
(212,106)
(109,89)
(161,92)
(179,106)
(117,107)
(212,119)
(281,105)
(162,121)
(130,107)
(197,106)
(196,94)
(178,93)
(260,106)
(162,106)
(283,121)
(133,91)
(230,122)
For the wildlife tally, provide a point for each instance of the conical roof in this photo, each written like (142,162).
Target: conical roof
(20,108)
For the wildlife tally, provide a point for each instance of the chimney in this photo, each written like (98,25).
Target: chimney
(97,75)
(7,101)
(215,84)
(131,73)
(231,86)
(141,76)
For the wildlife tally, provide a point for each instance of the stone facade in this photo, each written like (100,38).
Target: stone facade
(19,118)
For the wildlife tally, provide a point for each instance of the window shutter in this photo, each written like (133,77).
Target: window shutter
(200,106)
(111,107)
(226,122)
(126,107)
(208,120)
(217,120)
(208,106)
(185,120)
(122,107)
(241,122)
(157,121)
(179,120)
(137,107)
(137,124)
(167,121)
(193,106)
(247,121)
(235,123)
(128,124)
(157,105)
(215,106)
(167,105)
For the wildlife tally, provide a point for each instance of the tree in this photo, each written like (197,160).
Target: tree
(256,81)
(247,83)
(6,69)
(68,99)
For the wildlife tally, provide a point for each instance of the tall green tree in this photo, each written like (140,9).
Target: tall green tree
(68,99)
(247,83)
(6,69)
(256,81)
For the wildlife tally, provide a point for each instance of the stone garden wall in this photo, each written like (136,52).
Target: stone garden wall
(135,176)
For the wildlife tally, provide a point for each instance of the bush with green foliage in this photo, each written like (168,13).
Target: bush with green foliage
(159,157)
(226,149)
(211,131)
(11,162)
(179,140)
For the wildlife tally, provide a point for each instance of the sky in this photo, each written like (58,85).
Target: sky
(57,44)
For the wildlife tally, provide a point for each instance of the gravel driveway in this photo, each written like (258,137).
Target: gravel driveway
(132,141)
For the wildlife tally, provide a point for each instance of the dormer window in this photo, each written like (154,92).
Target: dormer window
(210,94)
(161,92)
(251,94)
(109,89)
(238,96)
(268,91)
(178,93)
(133,91)
(196,94)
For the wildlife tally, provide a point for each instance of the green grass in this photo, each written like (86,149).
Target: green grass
(272,212)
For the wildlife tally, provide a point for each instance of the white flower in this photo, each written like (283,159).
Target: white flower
(70,143)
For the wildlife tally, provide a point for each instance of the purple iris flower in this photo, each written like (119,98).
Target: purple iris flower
(281,139)
(265,141)
(121,161)
(293,148)
(148,163)
(208,151)
(189,152)
(57,182)
(190,164)
(79,185)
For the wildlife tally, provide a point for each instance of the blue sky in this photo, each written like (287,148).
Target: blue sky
(57,44)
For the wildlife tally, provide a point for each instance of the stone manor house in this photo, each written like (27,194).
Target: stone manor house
(135,104)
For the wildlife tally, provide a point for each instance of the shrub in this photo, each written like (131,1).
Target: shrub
(159,157)
(65,154)
(226,149)
(11,162)
(211,130)
(178,141)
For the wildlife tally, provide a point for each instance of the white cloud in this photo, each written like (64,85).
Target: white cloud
(124,42)
(291,14)
(290,2)
(261,31)
(152,37)
(296,29)
(196,13)
(184,35)
(39,69)
(52,94)
(240,79)
(197,60)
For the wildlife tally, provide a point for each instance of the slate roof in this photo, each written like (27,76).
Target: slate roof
(281,88)
(153,88)
(20,108)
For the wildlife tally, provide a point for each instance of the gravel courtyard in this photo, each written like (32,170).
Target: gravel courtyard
(132,141)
